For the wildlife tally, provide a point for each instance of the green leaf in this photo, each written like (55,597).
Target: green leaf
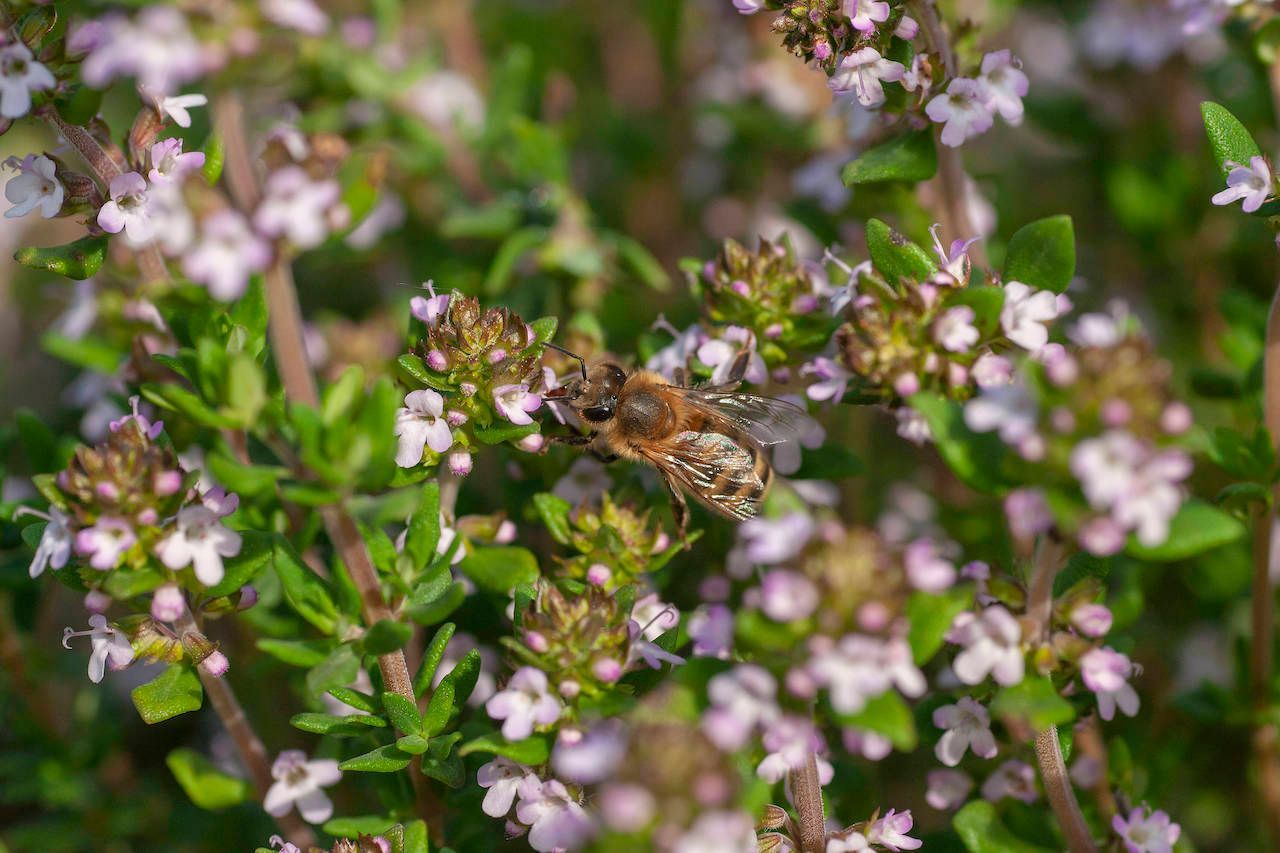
(339,669)
(888,715)
(304,653)
(641,262)
(544,328)
(206,785)
(424,526)
(929,617)
(832,461)
(1034,700)
(1228,138)
(982,832)
(440,609)
(78,260)
(502,431)
(386,636)
(498,569)
(402,713)
(974,457)
(342,397)
(351,827)
(431,659)
(214,156)
(126,583)
(451,693)
(329,724)
(554,512)
(255,554)
(1079,566)
(384,759)
(413,744)
(1043,254)
(414,841)
(1198,527)
(246,388)
(910,157)
(414,368)
(449,771)
(175,691)
(88,352)
(306,592)
(39,444)
(895,256)
(533,750)
(355,699)
(509,254)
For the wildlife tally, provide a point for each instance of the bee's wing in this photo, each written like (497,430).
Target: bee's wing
(724,470)
(765,419)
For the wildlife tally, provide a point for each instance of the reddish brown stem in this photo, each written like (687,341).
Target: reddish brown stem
(806,793)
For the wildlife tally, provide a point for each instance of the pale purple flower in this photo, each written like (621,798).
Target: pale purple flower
(110,646)
(55,541)
(654,616)
(859,668)
(20,75)
(421,423)
(105,542)
(168,162)
(1027,513)
(770,541)
(651,653)
(962,110)
(228,253)
(832,378)
(524,703)
(1101,536)
(556,820)
(430,309)
(912,426)
(175,227)
(947,789)
(168,603)
(177,107)
(907,29)
(1105,466)
(1025,313)
(1015,779)
(865,14)
(446,99)
(719,832)
(721,353)
(847,840)
(128,210)
(991,369)
(927,569)
(1092,620)
(158,50)
(594,756)
(675,354)
(786,596)
(1139,485)
(890,832)
(1252,184)
(1005,84)
(199,540)
(625,806)
(954,263)
(460,463)
(35,185)
(992,641)
(872,746)
(278,843)
(954,330)
(1008,409)
(741,699)
(298,208)
(787,741)
(301,15)
(515,402)
(584,482)
(502,778)
(1145,831)
(1107,672)
(968,725)
(863,71)
(298,782)
(748,7)
(711,629)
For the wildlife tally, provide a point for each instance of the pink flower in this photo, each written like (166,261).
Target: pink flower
(832,382)
(168,162)
(298,208)
(524,703)
(556,820)
(962,110)
(748,7)
(109,646)
(1005,84)
(720,354)
(954,330)
(992,641)
(226,255)
(502,778)
(1146,831)
(890,832)
(201,541)
(711,629)
(1027,513)
(870,745)
(863,71)
(105,542)
(786,596)
(865,14)
(967,726)
(514,402)
(158,50)
(859,668)
(1008,409)
(592,757)
(741,699)
(429,309)
(1253,184)
(128,210)
(421,423)
(35,185)
(298,782)
(168,603)
(719,832)
(947,789)
(991,369)
(1107,672)
(301,15)
(1014,779)
(926,568)
(788,740)
(1092,620)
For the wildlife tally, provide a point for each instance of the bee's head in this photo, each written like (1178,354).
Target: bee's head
(595,395)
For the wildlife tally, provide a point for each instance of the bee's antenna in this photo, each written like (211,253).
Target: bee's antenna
(581,361)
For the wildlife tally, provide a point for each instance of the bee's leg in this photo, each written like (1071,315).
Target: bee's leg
(604,456)
(680,377)
(736,371)
(573,440)
(679,509)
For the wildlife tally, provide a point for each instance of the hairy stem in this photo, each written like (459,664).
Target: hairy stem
(806,793)
(248,745)
(1046,562)
(1090,744)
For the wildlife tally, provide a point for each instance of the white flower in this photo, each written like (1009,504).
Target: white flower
(421,423)
(1008,409)
(1146,831)
(301,15)
(502,778)
(962,110)
(177,107)
(912,426)
(748,7)
(35,185)
(158,50)
(890,832)
(298,208)
(1005,83)
(992,641)
(741,699)
(948,789)
(524,703)
(1252,183)
(55,542)
(967,725)
(128,210)
(1015,779)
(556,820)
(862,72)
(859,668)
(201,540)
(20,75)
(298,781)
(445,99)
(105,542)
(719,832)
(1025,313)
(954,330)
(109,645)
(585,481)
(169,163)
(227,254)
(865,14)
(514,402)
(1107,672)
(788,741)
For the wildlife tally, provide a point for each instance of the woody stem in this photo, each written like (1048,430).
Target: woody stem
(806,792)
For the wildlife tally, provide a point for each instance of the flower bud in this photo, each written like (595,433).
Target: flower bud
(570,689)
(497,356)
(168,603)
(248,597)
(607,670)
(906,385)
(216,664)
(598,574)
(1176,418)
(454,418)
(205,654)
(96,601)
(468,389)
(437,362)
(460,463)
(536,641)
(506,533)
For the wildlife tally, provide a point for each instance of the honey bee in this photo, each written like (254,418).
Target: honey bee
(709,441)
